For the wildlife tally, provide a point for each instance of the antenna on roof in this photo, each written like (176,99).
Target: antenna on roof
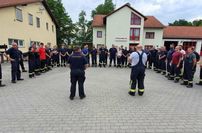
(128,4)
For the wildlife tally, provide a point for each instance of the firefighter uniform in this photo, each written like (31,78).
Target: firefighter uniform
(102,57)
(48,59)
(188,69)
(124,57)
(69,52)
(63,57)
(158,68)
(31,62)
(169,59)
(42,54)
(162,62)
(15,64)
(152,61)
(112,56)
(77,65)
(138,72)
(94,57)
(85,52)
(106,56)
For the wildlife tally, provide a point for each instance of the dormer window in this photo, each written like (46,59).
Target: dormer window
(135,20)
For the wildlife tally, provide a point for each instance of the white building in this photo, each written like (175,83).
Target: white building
(128,27)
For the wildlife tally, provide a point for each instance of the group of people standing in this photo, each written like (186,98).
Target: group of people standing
(175,63)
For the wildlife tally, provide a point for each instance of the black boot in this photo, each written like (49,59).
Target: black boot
(200,83)
(190,85)
(184,83)
(1,85)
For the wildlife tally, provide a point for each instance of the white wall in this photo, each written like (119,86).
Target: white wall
(180,42)
(158,37)
(118,28)
(96,40)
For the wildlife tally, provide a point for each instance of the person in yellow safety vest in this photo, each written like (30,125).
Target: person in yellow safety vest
(138,60)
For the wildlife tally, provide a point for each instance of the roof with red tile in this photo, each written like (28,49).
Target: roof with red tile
(9,3)
(98,21)
(152,22)
(182,32)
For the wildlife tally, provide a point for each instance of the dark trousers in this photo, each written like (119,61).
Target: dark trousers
(112,59)
(15,70)
(43,64)
(162,66)
(124,61)
(168,66)
(175,72)
(201,74)
(102,60)
(188,73)
(37,65)
(48,63)
(22,64)
(137,76)
(119,62)
(31,67)
(63,61)
(94,60)
(151,62)
(77,76)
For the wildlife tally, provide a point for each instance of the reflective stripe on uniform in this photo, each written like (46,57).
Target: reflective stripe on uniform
(141,90)
(190,81)
(132,90)
(185,80)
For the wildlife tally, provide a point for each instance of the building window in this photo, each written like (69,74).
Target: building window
(99,34)
(46,26)
(135,34)
(30,16)
(150,35)
(18,41)
(18,13)
(37,22)
(53,28)
(135,20)
(34,42)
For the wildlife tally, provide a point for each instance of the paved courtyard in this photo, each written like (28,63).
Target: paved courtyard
(41,105)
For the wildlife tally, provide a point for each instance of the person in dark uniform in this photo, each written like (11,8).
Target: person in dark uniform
(102,56)
(48,57)
(31,61)
(85,52)
(22,61)
(54,56)
(138,61)
(152,61)
(94,57)
(68,53)
(106,55)
(112,56)
(78,63)
(125,57)
(63,56)
(158,68)
(162,60)
(57,57)
(189,63)
(200,82)
(169,59)
(1,85)
(197,60)
(14,56)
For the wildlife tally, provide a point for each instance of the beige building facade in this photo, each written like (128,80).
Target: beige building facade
(27,23)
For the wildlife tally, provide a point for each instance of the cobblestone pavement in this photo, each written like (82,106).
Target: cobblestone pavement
(41,105)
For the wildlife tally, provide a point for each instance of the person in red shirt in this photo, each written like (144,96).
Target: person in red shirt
(42,54)
(175,65)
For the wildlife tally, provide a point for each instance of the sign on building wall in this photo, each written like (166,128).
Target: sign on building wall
(121,39)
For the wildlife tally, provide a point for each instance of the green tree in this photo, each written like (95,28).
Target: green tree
(181,22)
(104,9)
(66,27)
(83,29)
(197,22)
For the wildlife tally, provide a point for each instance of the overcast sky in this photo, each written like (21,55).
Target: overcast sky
(165,10)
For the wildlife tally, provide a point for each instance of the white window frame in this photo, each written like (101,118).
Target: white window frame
(11,40)
(30,18)
(18,14)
